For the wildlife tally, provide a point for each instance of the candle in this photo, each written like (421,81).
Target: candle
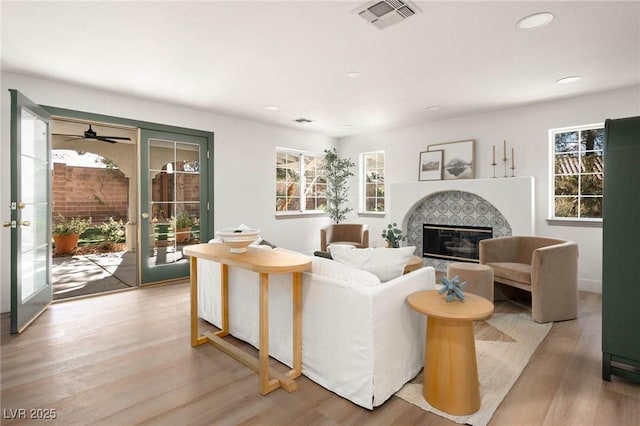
(513,158)
(494,154)
(504,150)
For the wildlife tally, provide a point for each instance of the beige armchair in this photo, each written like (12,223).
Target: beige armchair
(355,234)
(545,267)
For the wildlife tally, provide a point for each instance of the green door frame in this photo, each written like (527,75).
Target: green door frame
(206,226)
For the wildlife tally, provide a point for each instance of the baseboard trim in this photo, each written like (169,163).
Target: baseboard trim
(592,286)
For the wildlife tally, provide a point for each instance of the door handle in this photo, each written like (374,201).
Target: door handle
(25,223)
(145,215)
(6,224)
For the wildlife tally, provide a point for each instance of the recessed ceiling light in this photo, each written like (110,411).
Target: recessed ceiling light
(353,74)
(434,108)
(570,79)
(346,126)
(271,107)
(536,20)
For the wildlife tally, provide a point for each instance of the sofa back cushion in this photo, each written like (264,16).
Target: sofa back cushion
(338,271)
(385,263)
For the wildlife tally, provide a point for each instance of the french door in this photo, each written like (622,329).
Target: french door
(173,201)
(30,224)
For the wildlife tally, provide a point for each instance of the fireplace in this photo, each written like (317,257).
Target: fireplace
(454,242)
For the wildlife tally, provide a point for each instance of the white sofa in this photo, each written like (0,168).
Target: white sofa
(360,339)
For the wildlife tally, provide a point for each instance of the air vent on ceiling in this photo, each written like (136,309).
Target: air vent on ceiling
(386,12)
(302,120)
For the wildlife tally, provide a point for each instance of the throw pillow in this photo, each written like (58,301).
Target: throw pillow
(338,271)
(324,254)
(385,263)
(266,243)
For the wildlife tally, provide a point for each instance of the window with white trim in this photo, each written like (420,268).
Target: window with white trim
(578,172)
(300,183)
(372,182)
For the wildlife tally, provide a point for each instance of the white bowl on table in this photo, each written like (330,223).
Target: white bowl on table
(237,239)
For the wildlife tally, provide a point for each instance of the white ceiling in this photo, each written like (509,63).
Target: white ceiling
(236,57)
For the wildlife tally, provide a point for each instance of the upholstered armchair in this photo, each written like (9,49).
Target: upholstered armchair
(355,234)
(545,267)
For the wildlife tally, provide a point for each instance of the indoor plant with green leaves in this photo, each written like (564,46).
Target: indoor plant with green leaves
(393,235)
(66,233)
(337,172)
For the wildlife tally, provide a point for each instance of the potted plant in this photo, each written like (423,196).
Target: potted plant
(182,226)
(393,235)
(66,233)
(337,173)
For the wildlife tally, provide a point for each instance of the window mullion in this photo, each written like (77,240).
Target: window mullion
(303,182)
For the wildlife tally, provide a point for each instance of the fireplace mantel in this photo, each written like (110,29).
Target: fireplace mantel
(514,197)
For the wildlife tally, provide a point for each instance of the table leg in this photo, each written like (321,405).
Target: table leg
(451,373)
(266,385)
(297,326)
(224,300)
(196,339)
(194,300)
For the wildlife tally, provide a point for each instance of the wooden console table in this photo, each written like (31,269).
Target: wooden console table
(450,378)
(264,262)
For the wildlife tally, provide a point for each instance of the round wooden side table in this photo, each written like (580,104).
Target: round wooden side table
(450,378)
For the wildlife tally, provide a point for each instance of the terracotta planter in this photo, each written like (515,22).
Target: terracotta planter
(66,243)
(183,234)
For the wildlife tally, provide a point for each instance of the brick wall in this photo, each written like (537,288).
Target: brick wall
(187,190)
(86,191)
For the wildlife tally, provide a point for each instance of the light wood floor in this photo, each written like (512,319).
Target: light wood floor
(125,358)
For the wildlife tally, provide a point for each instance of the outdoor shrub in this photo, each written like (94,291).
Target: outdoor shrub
(75,225)
(113,231)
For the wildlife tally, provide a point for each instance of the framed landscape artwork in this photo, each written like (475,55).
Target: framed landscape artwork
(458,158)
(430,165)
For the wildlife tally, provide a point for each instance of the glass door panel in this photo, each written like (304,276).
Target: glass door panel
(30,211)
(171,200)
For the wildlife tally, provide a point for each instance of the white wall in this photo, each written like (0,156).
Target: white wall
(244,151)
(244,156)
(525,128)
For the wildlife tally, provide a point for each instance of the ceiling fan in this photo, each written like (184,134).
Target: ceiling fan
(92,135)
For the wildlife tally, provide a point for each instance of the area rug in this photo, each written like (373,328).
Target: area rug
(504,345)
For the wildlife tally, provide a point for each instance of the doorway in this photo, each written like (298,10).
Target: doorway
(127,245)
(93,194)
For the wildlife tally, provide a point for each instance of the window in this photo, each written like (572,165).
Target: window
(578,172)
(300,183)
(372,179)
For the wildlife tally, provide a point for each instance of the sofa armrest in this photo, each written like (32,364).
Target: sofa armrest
(554,280)
(365,238)
(502,249)
(325,237)
(398,332)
